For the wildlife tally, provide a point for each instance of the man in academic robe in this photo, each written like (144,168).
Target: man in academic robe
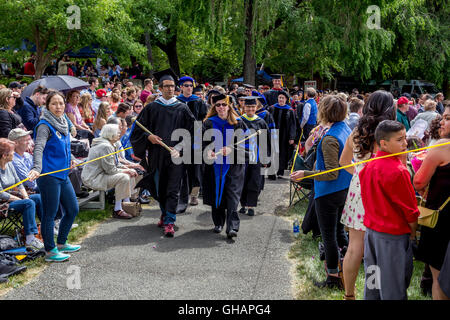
(272,95)
(284,118)
(192,173)
(163,177)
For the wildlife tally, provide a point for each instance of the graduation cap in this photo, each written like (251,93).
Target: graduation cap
(277,76)
(250,101)
(284,93)
(241,96)
(218,97)
(167,74)
(197,89)
(248,86)
(185,79)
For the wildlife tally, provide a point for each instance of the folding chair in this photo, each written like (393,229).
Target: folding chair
(12,221)
(299,191)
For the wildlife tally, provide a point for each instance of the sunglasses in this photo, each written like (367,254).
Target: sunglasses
(188,85)
(138,106)
(221,105)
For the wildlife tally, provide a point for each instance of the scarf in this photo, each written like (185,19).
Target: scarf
(59,123)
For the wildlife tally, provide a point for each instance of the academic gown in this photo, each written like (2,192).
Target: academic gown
(284,118)
(163,178)
(264,114)
(223,180)
(253,181)
(272,96)
(192,173)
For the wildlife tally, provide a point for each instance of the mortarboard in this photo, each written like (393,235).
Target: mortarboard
(248,86)
(284,93)
(250,101)
(197,89)
(167,74)
(218,97)
(277,76)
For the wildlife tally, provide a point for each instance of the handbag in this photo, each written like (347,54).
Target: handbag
(429,217)
(132,208)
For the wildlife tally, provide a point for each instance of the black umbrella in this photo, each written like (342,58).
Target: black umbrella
(60,83)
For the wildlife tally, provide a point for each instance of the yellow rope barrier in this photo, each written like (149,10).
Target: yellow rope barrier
(77,165)
(373,159)
(296,152)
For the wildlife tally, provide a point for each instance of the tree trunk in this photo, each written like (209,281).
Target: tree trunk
(249,59)
(170,49)
(148,44)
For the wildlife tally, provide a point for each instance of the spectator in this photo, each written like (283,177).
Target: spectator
(28,206)
(72,111)
(131,96)
(22,161)
(17,88)
(86,111)
(429,113)
(421,101)
(31,110)
(63,65)
(28,68)
(104,112)
(434,130)
(51,153)
(108,173)
(356,106)
(125,141)
(93,85)
(123,111)
(331,189)
(148,90)
(309,116)
(8,118)
(114,100)
(137,107)
(435,173)
(390,232)
(402,108)
(101,97)
(439,98)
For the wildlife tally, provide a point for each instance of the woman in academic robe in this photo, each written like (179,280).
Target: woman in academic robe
(225,164)
(257,148)
(284,118)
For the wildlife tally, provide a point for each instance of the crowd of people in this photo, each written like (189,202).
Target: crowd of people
(368,212)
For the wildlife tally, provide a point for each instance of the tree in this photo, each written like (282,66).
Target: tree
(54,30)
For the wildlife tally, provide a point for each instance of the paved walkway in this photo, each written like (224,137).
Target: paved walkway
(132,259)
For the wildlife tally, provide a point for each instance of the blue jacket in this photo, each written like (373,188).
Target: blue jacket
(340,131)
(312,120)
(30,114)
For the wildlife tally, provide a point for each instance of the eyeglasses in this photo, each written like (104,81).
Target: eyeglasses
(188,85)
(13,97)
(138,106)
(221,105)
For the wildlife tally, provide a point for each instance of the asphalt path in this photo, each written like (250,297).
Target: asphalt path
(131,259)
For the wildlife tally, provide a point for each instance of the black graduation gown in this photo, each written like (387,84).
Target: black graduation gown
(253,180)
(284,118)
(267,117)
(272,96)
(163,177)
(221,188)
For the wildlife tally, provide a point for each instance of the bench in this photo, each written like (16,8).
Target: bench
(89,203)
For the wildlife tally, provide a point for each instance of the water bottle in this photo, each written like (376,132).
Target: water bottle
(296,228)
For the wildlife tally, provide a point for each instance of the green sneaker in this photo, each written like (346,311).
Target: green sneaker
(55,256)
(69,248)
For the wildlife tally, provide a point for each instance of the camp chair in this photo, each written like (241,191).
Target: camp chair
(299,191)
(13,220)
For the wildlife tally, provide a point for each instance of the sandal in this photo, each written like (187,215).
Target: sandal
(120,214)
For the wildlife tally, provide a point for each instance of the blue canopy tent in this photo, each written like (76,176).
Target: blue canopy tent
(261,73)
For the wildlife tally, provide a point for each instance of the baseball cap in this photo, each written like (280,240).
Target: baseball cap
(402,100)
(17,133)
(15,84)
(100,93)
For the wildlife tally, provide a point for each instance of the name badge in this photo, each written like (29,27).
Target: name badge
(58,134)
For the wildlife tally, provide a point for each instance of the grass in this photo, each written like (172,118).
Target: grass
(86,220)
(308,267)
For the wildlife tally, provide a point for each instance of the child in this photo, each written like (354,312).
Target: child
(390,217)
(253,181)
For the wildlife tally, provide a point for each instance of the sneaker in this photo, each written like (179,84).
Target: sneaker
(55,256)
(243,210)
(68,248)
(161,222)
(251,212)
(232,234)
(75,225)
(169,230)
(35,244)
(218,229)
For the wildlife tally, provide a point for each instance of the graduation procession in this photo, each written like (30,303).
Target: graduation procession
(217,150)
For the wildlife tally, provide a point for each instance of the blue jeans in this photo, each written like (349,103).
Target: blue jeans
(56,192)
(28,209)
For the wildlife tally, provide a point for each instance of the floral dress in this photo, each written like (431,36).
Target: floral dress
(353,213)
